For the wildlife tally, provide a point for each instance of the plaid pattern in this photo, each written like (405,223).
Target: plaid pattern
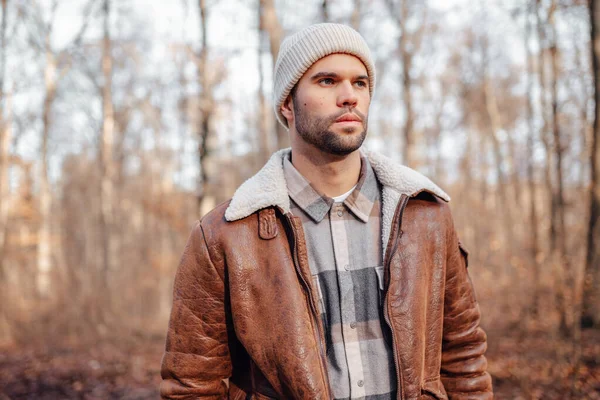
(345,257)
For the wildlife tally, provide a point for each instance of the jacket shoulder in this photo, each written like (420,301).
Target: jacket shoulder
(426,197)
(434,206)
(216,215)
(214,223)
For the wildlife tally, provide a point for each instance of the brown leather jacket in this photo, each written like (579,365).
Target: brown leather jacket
(244,322)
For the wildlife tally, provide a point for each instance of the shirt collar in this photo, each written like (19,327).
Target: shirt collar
(317,205)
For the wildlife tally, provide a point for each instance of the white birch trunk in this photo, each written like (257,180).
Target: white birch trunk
(44,262)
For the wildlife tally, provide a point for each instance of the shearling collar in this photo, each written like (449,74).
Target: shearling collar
(268,187)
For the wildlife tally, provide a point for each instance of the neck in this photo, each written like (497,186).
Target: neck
(330,174)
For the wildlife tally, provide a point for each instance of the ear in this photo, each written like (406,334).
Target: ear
(287,109)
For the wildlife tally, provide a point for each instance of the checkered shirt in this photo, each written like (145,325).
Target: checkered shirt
(345,258)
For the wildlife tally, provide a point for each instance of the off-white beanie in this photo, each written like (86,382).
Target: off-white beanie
(301,50)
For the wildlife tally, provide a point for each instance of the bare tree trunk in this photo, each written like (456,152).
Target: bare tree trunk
(591,294)
(409,151)
(466,172)
(533,247)
(356,14)
(409,156)
(265,117)
(183,117)
(563,289)
(271,24)
(107,167)
(205,112)
(435,142)
(484,166)
(183,106)
(5,197)
(44,262)
(493,114)
(558,146)
(583,66)
(494,117)
(325,11)
(5,138)
(408,45)
(512,158)
(545,136)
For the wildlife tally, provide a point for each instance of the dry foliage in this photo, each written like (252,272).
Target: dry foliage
(100,184)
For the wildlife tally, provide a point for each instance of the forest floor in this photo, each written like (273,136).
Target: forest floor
(523,366)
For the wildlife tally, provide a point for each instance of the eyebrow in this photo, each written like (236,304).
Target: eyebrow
(334,75)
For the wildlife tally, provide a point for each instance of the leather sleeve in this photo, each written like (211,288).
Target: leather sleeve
(463,370)
(196,361)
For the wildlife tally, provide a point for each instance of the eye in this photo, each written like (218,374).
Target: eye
(361,84)
(326,81)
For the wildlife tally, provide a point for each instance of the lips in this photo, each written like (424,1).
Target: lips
(348,118)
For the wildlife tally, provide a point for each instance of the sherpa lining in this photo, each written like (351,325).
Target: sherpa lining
(268,188)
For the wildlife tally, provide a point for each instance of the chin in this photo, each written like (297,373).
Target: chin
(345,145)
(347,130)
(350,130)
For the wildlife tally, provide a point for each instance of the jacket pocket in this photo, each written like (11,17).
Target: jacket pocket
(433,389)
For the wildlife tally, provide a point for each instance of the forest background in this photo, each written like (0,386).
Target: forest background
(124,121)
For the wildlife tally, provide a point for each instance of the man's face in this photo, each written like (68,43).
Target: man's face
(330,104)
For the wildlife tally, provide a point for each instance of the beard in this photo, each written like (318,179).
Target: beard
(315,130)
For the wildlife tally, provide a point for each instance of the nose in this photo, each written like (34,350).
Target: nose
(347,96)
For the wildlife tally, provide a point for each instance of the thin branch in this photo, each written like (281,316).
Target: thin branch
(51,20)
(87,12)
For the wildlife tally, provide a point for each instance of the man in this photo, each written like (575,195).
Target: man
(331,273)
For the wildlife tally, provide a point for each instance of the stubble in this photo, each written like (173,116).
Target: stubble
(315,130)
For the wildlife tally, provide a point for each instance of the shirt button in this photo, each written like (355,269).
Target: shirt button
(340,213)
(353,325)
(360,383)
(347,267)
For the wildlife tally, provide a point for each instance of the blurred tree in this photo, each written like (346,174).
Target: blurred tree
(356,14)
(531,178)
(265,115)
(495,127)
(107,168)
(325,11)
(270,24)
(562,258)
(206,106)
(209,76)
(582,95)
(545,133)
(591,295)
(56,64)
(409,44)
(5,138)
(45,196)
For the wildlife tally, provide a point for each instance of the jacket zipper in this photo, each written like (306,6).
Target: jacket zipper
(399,212)
(315,323)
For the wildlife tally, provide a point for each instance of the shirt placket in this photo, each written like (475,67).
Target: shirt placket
(349,329)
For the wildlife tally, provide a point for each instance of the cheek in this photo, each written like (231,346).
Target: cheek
(366,98)
(314,105)
(365,103)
